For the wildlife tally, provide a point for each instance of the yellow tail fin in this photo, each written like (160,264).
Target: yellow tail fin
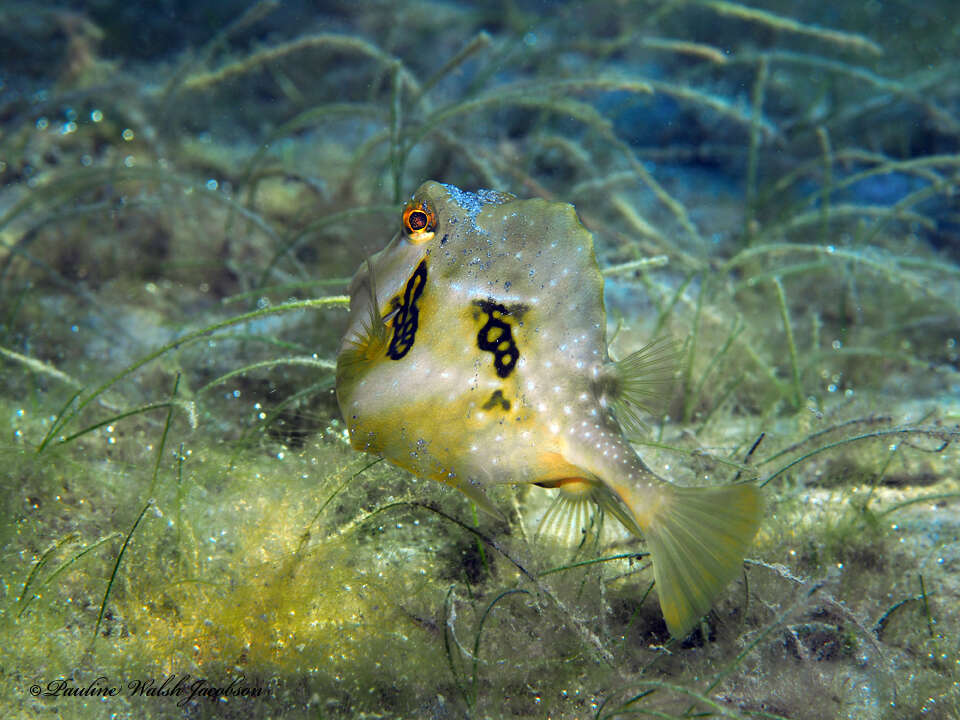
(697,539)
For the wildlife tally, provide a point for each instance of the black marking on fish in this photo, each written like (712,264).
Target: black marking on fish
(497,400)
(516,311)
(496,337)
(407,319)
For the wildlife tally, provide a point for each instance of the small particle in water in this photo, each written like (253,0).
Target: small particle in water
(129,161)
(127,134)
(236,393)
(96,116)
(836,344)
(280,455)
(42,123)
(212,184)
(74,328)
(68,127)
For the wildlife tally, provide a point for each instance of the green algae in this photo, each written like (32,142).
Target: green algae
(178,494)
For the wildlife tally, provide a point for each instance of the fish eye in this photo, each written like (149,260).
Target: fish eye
(419,221)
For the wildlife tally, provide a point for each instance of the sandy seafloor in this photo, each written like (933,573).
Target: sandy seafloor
(186,190)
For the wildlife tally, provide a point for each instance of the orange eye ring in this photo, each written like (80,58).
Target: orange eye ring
(419,222)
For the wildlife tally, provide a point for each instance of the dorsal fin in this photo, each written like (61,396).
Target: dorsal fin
(641,382)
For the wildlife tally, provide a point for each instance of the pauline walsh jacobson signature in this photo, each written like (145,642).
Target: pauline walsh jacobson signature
(184,687)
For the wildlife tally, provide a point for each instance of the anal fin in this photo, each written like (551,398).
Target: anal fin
(572,516)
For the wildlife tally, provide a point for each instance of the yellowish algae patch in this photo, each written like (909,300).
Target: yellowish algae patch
(269,605)
(230,574)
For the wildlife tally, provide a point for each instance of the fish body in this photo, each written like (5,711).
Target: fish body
(476,355)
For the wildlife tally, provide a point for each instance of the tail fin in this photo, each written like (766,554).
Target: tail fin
(697,539)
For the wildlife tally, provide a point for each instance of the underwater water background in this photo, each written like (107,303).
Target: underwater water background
(186,190)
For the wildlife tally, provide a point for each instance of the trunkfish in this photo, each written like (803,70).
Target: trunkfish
(476,355)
